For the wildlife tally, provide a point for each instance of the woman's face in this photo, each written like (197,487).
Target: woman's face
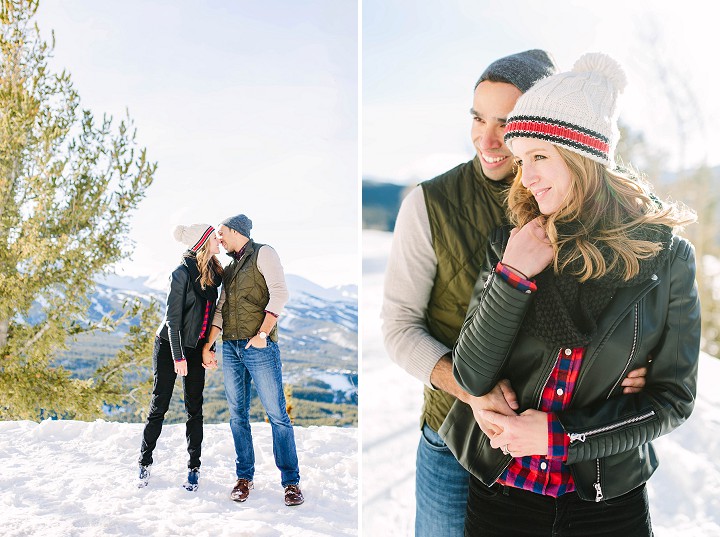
(544,173)
(213,244)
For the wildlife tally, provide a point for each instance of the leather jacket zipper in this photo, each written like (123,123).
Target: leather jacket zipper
(542,386)
(598,488)
(632,350)
(505,467)
(581,437)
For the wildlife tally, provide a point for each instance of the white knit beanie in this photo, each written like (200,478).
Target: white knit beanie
(577,110)
(193,236)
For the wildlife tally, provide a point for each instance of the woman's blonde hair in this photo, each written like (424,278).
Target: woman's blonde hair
(208,265)
(603,207)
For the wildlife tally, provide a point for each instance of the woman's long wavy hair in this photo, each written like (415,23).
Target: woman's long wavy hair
(603,206)
(208,265)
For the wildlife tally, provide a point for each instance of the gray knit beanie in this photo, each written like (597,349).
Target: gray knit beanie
(240,223)
(521,70)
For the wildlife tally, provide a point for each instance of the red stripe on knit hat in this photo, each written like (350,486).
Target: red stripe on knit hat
(550,129)
(204,237)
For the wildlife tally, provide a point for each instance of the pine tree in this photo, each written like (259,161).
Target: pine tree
(68,186)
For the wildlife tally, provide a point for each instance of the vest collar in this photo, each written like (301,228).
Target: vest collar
(497,188)
(246,250)
(239,259)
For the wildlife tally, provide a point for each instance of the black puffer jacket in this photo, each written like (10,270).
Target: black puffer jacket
(186,302)
(610,433)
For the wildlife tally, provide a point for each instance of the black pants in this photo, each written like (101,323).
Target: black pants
(507,511)
(193,385)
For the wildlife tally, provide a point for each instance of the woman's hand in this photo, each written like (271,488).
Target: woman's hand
(257,342)
(522,435)
(501,399)
(181,367)
(208,359)
(528,249)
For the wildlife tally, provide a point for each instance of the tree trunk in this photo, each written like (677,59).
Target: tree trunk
(4,326)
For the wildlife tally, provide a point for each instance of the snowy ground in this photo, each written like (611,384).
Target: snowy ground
(684,492)
(71,478)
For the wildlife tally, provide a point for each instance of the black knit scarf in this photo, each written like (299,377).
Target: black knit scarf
(210,292)
(564,312)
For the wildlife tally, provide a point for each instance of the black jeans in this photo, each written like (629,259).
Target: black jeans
(193,385)
(507,511)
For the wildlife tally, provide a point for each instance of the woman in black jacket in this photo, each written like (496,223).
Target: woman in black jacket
(589,282)
(179,342)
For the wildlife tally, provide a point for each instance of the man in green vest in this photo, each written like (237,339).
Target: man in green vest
(437,251)
(253,296)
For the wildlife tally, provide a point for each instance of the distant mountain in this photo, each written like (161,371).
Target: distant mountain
(380,204)
(318,338)
(299,285)
(313,312)
(381,200)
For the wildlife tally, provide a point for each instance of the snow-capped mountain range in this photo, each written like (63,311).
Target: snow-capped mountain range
(318,334)
(308,300)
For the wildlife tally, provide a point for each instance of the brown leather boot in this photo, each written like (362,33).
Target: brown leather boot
(293,495)
(241,490)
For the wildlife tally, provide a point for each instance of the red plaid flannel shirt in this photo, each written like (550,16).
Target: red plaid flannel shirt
(547,475)
(206,318)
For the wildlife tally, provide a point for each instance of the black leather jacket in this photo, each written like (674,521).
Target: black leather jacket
(184,313)
(610,432)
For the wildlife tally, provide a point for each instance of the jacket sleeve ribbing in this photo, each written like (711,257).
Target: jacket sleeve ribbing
(487,336)
(495,314)
(174,311)
(627,421)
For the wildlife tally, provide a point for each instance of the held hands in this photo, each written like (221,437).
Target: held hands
(528,249)
(523,435)
(257,342)
(181,368)
(208,358)
(500,399)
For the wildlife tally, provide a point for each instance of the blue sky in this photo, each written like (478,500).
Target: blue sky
(421,60)
(248,107)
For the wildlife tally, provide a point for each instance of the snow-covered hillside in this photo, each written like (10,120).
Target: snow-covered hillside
(77,479)
(684,492)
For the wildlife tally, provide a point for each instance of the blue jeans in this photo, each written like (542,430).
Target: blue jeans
(441,489)
(262,366)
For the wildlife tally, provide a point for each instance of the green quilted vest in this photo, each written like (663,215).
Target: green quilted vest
(246,297)
(464,207)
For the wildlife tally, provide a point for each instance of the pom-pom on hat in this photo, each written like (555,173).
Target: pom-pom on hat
(193,236)
(522,70)
(577,109)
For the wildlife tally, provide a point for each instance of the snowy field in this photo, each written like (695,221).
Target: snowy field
(71,478)
(684,492)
